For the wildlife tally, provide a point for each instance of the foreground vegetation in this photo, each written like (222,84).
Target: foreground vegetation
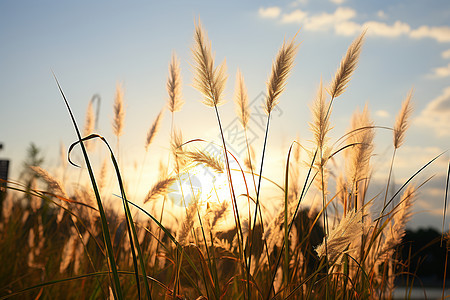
(57,243)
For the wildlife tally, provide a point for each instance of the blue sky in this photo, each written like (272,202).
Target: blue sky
(92,46)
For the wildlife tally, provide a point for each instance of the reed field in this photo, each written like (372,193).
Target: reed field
(320,231)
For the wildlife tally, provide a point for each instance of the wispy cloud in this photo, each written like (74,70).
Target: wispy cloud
(337,1)
(297,16)
(436,114)
(342,22)
(441,72)
(446,54)
(269,12)
(440,34)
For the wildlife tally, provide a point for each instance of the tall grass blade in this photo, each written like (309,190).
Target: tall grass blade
(132,235)
(107,238)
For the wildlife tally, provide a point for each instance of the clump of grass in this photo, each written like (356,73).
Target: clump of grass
(344,250)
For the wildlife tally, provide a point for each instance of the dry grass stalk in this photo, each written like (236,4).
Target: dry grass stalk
(358,156)
(119,112)
(177,150)
(174,84)
(248,160)
(281,69)
(53,184)
(215,212)
(208,80)
(321,119)
(396,230)
(348,65)
(343,238)
(241,99)
(402,121)
(320,127)
(62,155)
(162,187)
(89,123)
(153,130)
(205,159)
(188,223)
(103,173)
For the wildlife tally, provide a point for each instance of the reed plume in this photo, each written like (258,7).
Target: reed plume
(241,100)
(281,69)
(177,150)
(174,85)
(348,65)
(188,223)
(358,156)
(249,158)
(89,123)
(119,112)
(53,184)
(204,158)
(401,215)
(320,127)
(402,121)
(153,130)
(160,188)
(343,238)
(208,80)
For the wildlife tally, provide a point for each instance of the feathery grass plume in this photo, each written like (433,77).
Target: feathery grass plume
(188,222)
(320,127)
(174,85)
(321,120)
(119,112)
(68,252)
(248,160)
(241,100)
(160,188)
(62,155)
(103,173)
(89,123)
(358,156)
(343,238)
(208,80)
(348,65)
(205,159)
(176,144)
(281,69)
(53,184)
(294,172)
(214,213)
(153,129)
(395,232)
(401,122)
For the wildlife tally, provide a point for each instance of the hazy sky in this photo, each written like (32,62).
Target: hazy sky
(93,45)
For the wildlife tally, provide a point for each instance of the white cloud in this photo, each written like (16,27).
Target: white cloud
(436,114)
(446,54)
(385,30)
(298,2)
(382,113)
(441,72)
(341,21)
(440,34)
(347,28)
(337,1)
(326,20)
(297,16)
(269,12)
